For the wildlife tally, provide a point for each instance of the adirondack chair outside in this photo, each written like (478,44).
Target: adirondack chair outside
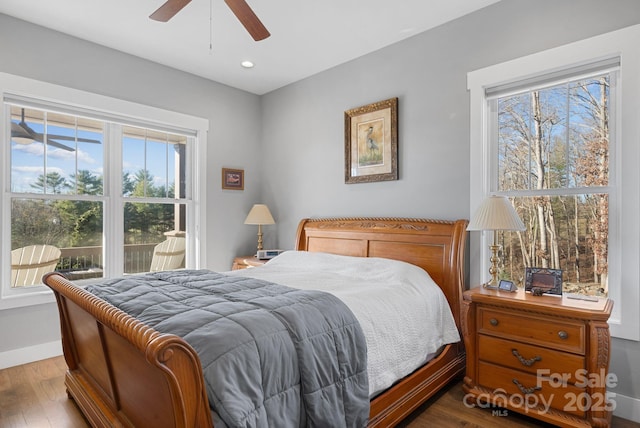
(169,254)
(30,263)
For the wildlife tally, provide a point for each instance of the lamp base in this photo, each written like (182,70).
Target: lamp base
(490,286)
(495,262)
(259,237)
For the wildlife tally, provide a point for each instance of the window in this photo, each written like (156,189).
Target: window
(154,187)
(557,132)
(551,141)
(94,194)
(56,193)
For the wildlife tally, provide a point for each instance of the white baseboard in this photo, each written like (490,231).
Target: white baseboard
(627,408)
(16,357)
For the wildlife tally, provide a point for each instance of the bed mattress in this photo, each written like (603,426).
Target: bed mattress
(405,316)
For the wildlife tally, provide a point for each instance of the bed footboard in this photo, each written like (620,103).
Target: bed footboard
(122,372)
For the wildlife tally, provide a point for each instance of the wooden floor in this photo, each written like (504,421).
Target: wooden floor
(33,395)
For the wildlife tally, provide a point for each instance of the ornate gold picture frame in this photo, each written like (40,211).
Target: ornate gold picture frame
(371,142)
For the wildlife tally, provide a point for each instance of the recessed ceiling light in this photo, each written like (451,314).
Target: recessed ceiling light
(247,64)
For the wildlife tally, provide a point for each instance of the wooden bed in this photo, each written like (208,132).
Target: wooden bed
(124,373)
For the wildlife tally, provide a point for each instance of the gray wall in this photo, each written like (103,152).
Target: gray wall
(234,130)
(297,132)
(303,134)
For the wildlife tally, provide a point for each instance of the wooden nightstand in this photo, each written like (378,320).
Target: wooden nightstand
(245,262)
(543,356)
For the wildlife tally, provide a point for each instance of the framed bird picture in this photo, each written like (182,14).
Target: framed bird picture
(371,142)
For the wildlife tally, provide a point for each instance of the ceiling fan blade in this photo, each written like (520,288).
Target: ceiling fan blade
(24,132)
(50,142)
(30,133)
(245,15)
(18,131)
(68,138)
(168,10)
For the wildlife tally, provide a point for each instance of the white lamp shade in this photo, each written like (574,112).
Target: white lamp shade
(259,214)
(496,213)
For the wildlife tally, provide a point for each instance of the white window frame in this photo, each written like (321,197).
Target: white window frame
(624,236)
(17,86)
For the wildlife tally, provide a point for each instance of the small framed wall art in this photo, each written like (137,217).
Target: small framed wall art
(371,142)
(232,179)
(543,281)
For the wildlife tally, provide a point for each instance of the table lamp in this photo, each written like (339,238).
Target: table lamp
(259,215)
(495,213)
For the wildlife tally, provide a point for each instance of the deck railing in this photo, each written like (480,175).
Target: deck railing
(86,262)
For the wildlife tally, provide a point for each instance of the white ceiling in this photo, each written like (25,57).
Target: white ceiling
(306,36)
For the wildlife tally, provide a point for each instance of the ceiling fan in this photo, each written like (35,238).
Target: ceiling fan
(23,134)
(240,9)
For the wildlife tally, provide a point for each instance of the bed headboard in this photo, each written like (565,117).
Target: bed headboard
(437,246)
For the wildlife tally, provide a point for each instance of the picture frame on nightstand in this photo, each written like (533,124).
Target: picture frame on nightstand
(541,281)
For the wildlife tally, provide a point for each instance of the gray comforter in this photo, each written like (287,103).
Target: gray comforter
(272,356)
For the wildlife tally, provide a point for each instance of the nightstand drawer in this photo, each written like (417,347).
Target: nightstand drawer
(530,391)
(550,332)
(528,358)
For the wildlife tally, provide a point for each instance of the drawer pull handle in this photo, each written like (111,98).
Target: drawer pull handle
(563,334)
(493,322)
(526,390)
(523,360)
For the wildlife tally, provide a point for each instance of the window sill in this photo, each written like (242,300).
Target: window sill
(10,299)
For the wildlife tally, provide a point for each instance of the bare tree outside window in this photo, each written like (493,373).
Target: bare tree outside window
(553,163)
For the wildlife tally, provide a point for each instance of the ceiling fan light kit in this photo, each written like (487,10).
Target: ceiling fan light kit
(240,9)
